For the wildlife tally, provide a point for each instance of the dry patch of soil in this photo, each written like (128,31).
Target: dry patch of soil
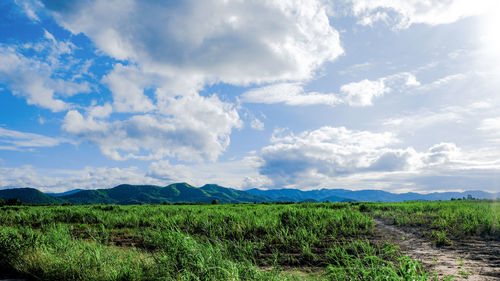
(472,259)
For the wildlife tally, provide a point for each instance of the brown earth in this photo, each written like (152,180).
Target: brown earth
(472,259)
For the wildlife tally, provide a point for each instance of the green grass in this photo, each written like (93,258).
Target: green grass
(197,242)
(443,220)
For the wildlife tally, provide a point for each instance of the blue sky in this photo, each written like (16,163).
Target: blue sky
(393,95)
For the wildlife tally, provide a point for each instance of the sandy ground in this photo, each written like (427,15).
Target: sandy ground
(473,259)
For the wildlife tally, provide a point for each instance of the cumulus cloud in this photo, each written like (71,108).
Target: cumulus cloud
(171,120)
(361,93)
(331,155)
(331,152)
(197,128)
(15,140)
(127,84)
(232,42)
(405,13)
(170,50)
(338,157)
(99,111)
(442,153)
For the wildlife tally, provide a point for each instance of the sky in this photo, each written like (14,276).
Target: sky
(358,94)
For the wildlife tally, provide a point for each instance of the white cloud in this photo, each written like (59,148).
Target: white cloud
(100,111)
(360,93)
(234,42)
(337,157)
(34,77)
(419,120)
(56,48)
(234,173)
(30,8)
(443,81)
(410,12)
(239,174)
(363,92)
(464,115)
(193,128)
(15,140)
(174,49)
(332,157)
(127,84)
(490,125)
(288,93)
(332,152)
(63,180)
(442,153)
(256,124)
(356,68)
(25,77)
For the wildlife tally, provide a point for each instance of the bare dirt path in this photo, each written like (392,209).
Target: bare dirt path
(468,260)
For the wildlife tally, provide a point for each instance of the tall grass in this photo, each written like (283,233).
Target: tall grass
(208,242)
(444,219)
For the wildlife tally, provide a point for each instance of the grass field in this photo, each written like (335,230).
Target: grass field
(225,242)
(443,220)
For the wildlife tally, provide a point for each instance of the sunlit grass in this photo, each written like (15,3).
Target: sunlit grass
(444,219)
(197,242)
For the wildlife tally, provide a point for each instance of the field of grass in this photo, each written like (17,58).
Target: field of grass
(443,221)
(197,242)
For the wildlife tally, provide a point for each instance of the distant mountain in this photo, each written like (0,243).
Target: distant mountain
(126,194)
(343,195)
(174,193)
(29,195)
(230,195)
(89,197)
(295,195)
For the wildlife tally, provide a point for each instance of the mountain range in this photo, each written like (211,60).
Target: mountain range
(126,194)
(339,195)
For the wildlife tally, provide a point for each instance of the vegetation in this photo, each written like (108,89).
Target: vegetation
(126,194)
(307,241)
(197,242)
(343,195)
(30,195)
(443,220)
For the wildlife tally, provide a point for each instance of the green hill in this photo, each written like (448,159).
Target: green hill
(225,195)
(29,196)
(175,193)
(127,194)
(89,197)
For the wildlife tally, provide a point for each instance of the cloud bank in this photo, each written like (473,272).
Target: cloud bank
(174,49)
